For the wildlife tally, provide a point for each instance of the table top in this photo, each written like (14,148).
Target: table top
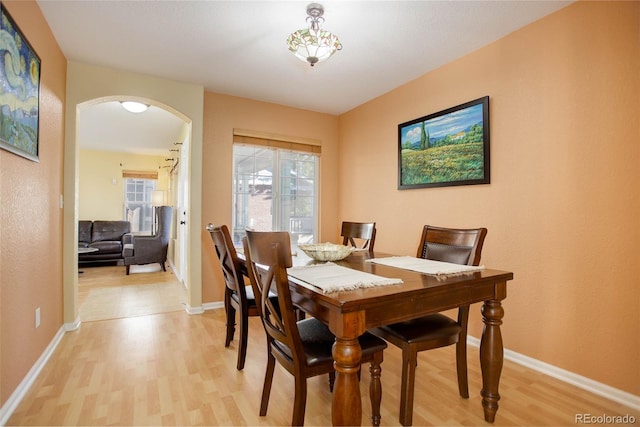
(412,281)
(419,293)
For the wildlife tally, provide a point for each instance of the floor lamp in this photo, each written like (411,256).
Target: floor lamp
(157,199)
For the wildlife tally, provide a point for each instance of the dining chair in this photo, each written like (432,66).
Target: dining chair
(237,296)
(361,235)
(458,246)
(140,250)
(302,347)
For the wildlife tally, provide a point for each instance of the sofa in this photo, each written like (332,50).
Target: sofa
(108,237)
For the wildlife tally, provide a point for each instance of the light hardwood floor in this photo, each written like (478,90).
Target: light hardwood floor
(106,292)
(173,369)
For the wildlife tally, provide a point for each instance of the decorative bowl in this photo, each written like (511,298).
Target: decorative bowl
(326,251)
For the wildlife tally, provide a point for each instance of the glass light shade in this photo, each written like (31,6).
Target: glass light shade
(134,107)
(313,46)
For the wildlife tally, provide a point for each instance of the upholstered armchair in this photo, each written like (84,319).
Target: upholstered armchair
(139,250)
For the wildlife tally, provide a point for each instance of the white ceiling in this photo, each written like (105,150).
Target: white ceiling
(110,127)
(238,47)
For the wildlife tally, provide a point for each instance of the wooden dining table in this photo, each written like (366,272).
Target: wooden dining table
(350,313)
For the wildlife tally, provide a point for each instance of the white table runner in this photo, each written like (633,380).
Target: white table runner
(330,277)
(426,266)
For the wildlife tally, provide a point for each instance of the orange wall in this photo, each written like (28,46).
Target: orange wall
(563,206)
(563,209)
(31,229)
(221,115)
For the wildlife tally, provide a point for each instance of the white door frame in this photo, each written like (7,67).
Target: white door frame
(182,212)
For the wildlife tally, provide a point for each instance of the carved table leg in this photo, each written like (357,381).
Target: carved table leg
(346,409)
(491,356)
(375,389)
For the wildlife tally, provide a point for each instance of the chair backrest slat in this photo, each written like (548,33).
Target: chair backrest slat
(268,256)
(231,266)
(458,246)
(365,232)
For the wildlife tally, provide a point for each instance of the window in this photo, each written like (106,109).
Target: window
(138,209)
(275,190)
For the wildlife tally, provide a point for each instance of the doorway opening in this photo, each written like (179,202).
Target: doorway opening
(106,195)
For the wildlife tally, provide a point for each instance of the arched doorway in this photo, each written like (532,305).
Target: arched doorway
(158,138)
(88,83)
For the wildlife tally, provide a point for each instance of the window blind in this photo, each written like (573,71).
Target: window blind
(140,174)
(304,145)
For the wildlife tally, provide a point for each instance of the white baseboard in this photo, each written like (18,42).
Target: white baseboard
(68,327)
(16,397)
(213,305)
(194,310)
(579,381)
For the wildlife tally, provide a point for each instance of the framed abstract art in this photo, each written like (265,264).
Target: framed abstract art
(19,91)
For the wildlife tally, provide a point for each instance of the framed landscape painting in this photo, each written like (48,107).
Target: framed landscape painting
(450,147)
(19,91)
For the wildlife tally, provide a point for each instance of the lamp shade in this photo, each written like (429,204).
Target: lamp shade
(158,197)
(313,46)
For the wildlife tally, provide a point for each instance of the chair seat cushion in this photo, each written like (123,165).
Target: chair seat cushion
(317,341)
(427,328)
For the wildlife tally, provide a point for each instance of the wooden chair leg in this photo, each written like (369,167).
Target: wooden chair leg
(268,378)
(461,365)
(244,333)
(375,388)
(409,362)
(230,319)
(461,352)
(332,380)
(163,266)
(126,269)
(300,401)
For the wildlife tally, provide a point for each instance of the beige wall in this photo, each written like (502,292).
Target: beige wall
(563,206)
(221,115)
(101,199)
(31,218)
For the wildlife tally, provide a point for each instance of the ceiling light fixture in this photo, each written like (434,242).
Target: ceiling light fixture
(134,107)
(313,44)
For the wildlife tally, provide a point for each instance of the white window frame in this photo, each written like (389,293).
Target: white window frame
(303,228)
(143,222)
